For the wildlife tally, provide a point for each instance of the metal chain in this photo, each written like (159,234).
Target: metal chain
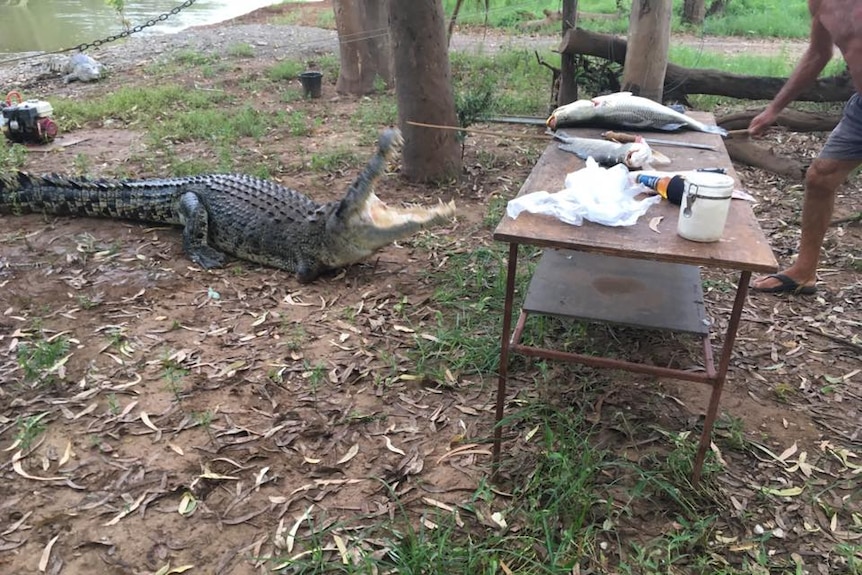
(113,37)
(130,31)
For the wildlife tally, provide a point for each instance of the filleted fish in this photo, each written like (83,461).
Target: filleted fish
(635,155)
(625,110)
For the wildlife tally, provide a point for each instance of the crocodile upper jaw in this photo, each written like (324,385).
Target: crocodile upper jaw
(377,225)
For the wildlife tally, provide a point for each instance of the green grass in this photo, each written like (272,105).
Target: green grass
(748,65)
(464,340)
(325,20)
(174,376)
(333,160)
(285,70)
(298,124)
(12,156)
(28,430)
(372,113)
(241,50)
(759,18)
(569,505)
(762,18)
(39,357)
(136,106)
(517,82)
(193,58)
(215,125)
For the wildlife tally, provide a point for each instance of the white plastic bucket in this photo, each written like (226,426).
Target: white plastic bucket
(704,207)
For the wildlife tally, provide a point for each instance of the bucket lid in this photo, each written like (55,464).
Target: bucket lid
(709,180)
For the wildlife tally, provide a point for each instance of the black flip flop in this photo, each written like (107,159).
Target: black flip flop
(787,285)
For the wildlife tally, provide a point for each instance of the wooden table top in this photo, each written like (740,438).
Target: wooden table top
(743,245)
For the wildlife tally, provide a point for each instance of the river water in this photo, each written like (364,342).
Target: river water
(45,25)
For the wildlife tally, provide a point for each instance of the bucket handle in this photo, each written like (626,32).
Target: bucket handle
(691,196)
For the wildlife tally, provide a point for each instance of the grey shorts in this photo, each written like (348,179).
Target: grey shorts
(845,141)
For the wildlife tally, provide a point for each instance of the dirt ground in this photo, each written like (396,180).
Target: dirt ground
(198,415)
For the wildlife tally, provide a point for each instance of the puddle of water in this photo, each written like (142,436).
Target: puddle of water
(46,25)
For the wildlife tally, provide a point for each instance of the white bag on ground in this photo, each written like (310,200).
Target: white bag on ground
(601,195)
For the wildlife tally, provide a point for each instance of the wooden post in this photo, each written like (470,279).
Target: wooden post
(646,58)
(568,86)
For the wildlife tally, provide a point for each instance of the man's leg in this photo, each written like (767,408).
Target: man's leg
(823,178)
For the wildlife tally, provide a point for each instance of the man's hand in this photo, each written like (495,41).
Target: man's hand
(761,122)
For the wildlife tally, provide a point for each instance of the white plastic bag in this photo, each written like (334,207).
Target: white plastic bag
(601,195)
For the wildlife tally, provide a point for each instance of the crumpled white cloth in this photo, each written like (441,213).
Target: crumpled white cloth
(601,195)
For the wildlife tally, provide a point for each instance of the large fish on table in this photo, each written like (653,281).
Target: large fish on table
(635,155)
(625,110)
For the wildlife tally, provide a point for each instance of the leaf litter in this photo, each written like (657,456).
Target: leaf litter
(248,412)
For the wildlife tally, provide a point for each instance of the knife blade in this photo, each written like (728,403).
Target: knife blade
(626,138)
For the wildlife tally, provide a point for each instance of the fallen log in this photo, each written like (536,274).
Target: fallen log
(794,120)
(680,81)
(551,17)
(748,153)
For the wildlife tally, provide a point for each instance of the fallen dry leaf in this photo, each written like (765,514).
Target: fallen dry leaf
(46,553)
(351,453)
(342,548)
(291,536)
(19,469)
(127,510)
(391,447)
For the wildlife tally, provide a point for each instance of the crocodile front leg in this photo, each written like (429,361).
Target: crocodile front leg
(195,220)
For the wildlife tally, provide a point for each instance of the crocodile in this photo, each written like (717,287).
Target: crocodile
(250,218)
(76,68)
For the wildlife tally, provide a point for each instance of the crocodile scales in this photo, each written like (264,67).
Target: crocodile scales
(247,217)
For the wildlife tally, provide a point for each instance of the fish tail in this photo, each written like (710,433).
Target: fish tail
(709,128)
(559,135)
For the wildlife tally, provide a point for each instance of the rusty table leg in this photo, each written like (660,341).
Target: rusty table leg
(718,383)
(504,355)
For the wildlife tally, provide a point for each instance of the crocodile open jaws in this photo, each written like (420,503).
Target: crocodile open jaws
(249,218)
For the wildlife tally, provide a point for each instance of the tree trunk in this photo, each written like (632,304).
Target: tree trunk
(363,45)
(694,11)
(717,7)
(568,85)
(649,34)
(452,21)
(680,81)
(423,84)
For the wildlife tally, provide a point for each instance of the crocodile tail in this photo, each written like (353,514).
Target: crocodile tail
(22,192)
(16,191)
(139,200)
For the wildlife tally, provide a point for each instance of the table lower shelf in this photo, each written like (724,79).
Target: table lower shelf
(639,293)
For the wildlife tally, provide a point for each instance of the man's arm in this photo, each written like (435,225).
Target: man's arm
(815,58)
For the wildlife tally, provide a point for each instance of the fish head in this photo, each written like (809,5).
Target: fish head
(577,111)
(639,154)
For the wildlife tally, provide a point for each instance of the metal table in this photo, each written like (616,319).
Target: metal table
(629,275)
